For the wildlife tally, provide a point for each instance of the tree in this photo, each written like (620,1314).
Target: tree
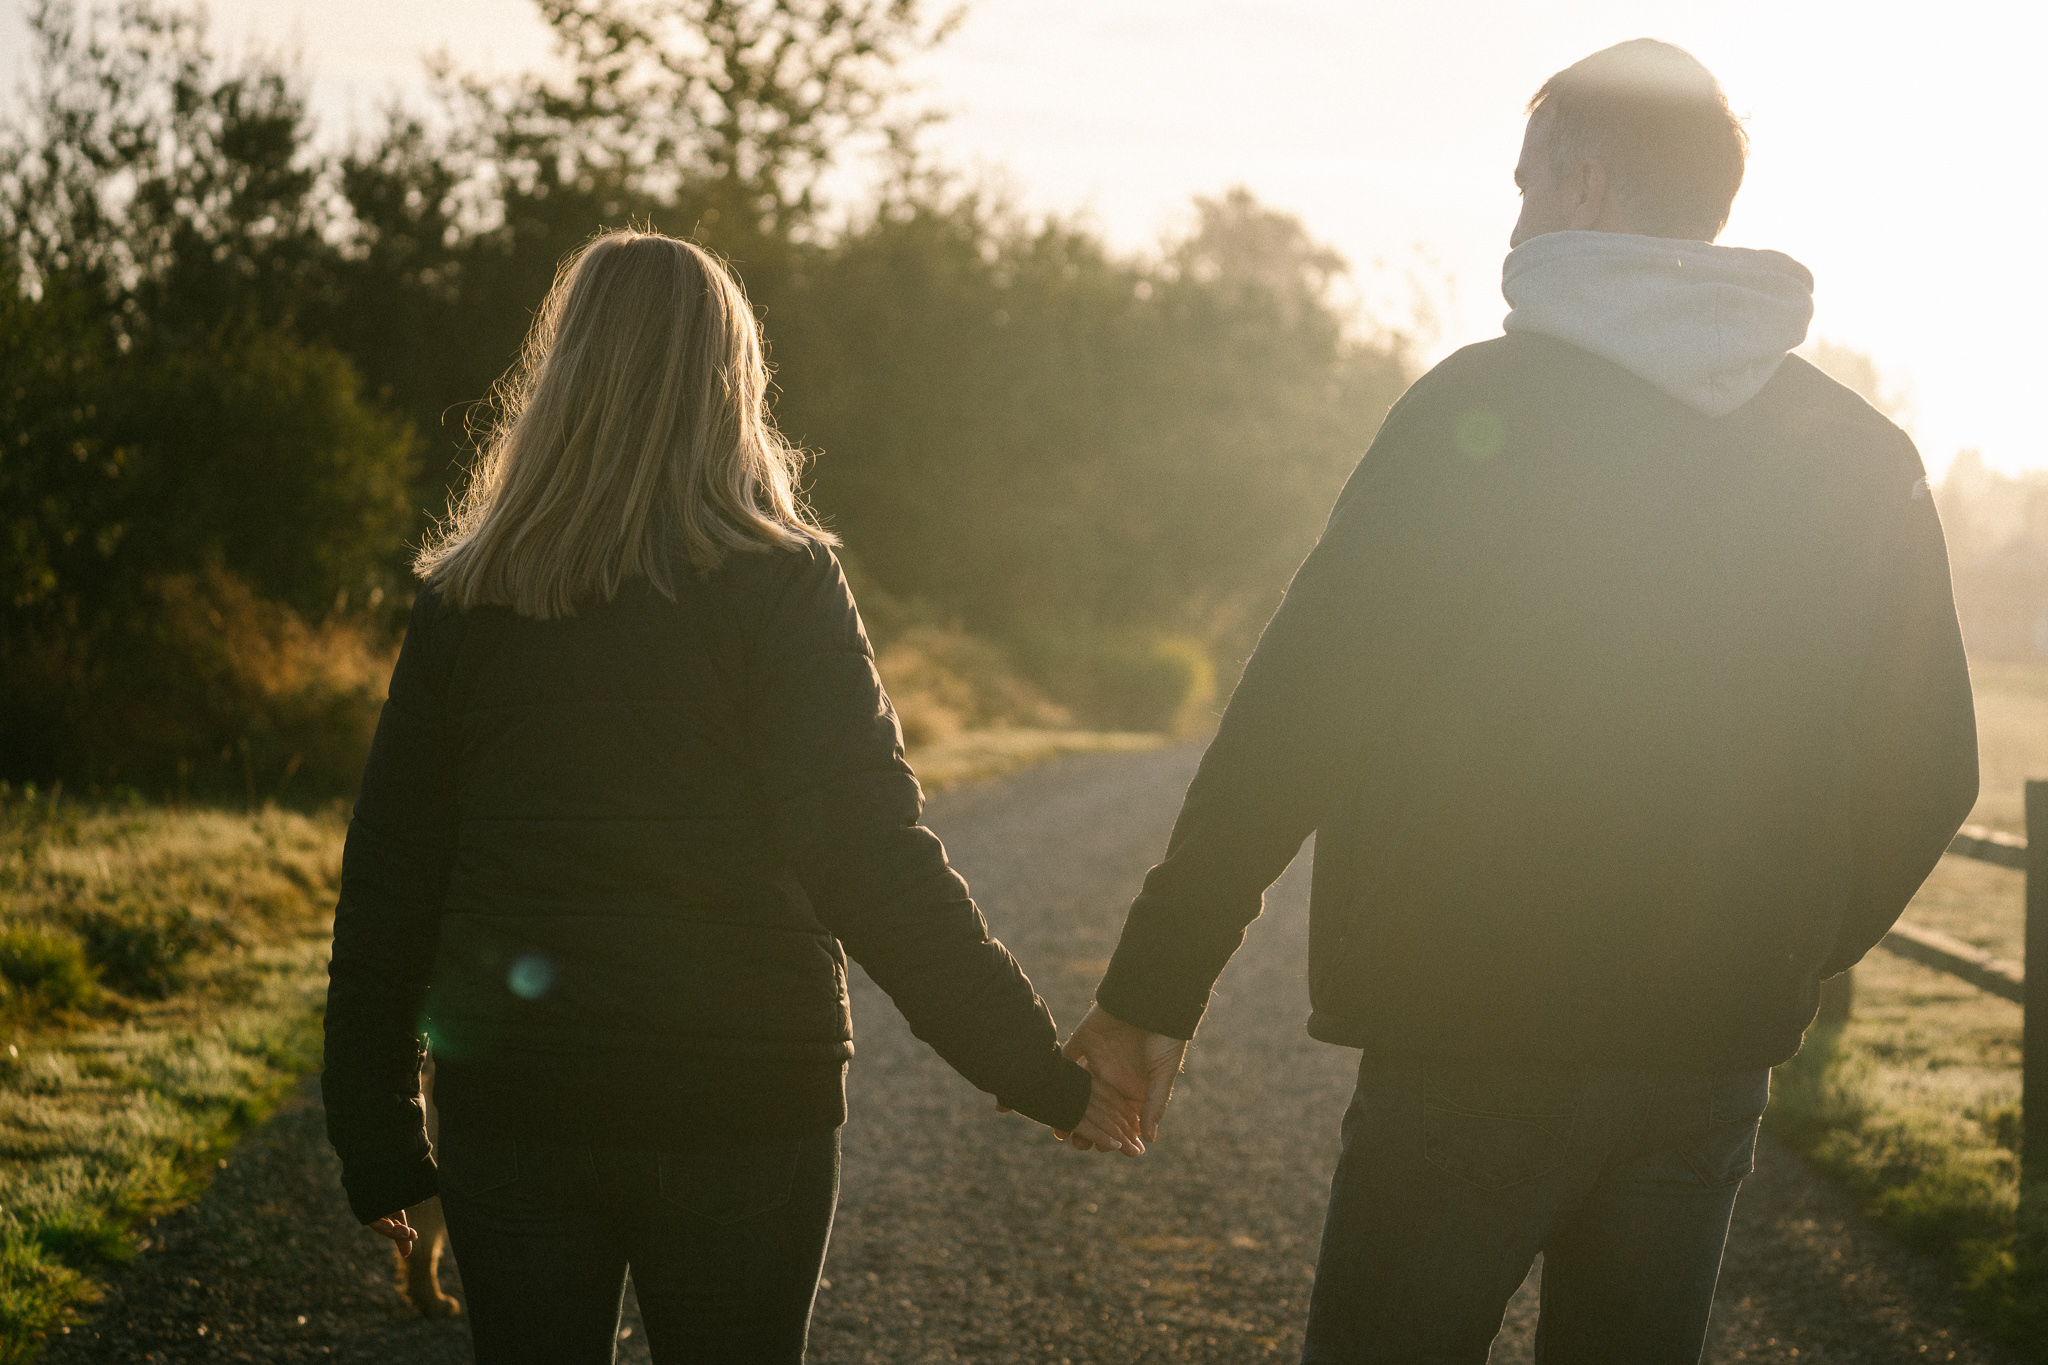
(167,421)
(714,119)
(1041,437)
(744,103)
(145,169)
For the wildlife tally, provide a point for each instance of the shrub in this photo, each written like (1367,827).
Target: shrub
(257,687)
(139,950)
(1123,679)
(43,970)
(943,680)
(206,684)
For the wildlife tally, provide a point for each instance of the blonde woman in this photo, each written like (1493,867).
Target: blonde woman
(636,784)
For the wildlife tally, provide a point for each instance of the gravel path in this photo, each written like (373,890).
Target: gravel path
(968,1235)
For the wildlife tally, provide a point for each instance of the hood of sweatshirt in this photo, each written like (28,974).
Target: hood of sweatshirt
(1707,324)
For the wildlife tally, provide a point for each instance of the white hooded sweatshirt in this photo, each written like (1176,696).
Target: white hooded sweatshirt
(1707,324)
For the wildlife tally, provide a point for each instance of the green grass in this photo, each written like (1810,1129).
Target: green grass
(1914,1105)
(161,977)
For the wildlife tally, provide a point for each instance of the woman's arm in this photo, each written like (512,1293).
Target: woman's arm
(394,877)
(846,809)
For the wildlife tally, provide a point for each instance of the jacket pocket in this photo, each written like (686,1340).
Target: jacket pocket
(1494,1129)
(730,1186)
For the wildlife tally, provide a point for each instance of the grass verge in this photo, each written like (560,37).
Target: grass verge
(1913,1107)
(161,975)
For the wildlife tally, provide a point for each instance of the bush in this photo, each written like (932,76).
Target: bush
(43,970)
(139,950)
(943,680)
(259,689)
(205,686)
(1123,679)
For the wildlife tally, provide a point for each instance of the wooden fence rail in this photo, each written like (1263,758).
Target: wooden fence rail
(2009,980)
(1932,948)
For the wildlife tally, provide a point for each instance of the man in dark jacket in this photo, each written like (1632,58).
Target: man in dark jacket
(1625,698)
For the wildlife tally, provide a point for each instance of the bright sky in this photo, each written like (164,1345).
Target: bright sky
(1897,146)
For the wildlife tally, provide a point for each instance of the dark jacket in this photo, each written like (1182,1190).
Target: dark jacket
(624,848)
(1619,726)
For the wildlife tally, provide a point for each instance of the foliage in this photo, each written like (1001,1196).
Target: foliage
(42,971)
(218,341)
(167,418)
(1941,1180)
(1996,525)
(1997,529)
(1039,437)
(158,177)
(943,681)
(716,119)
(1129,679)
(1021,431)
(747,103)
(139,950)
(61,476)
(201,687)
(115,1110)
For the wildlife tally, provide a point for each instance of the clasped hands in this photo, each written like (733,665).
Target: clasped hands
(1133,1072)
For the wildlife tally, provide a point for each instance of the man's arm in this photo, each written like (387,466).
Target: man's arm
(1915,736)
(1286,738)
(1260,791)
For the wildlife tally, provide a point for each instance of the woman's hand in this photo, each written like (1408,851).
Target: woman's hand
(1130,1061)
(1111,1122)
(398,1230)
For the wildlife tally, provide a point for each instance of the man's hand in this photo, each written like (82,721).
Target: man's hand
(1139,1065)
(398,1230)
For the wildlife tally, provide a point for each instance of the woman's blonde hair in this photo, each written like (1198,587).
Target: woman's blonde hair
(634,430)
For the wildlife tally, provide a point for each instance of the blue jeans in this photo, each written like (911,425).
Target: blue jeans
(1452,1179)
(725,1246)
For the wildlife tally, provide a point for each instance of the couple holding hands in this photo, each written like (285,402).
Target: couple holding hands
(1623,693)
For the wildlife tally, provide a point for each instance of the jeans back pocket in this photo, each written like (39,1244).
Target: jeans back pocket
(730,1185)
(1496,1128)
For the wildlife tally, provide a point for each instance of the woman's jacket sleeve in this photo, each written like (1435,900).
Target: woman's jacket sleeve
(846,807)
(394,879)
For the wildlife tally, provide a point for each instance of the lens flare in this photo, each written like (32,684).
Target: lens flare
(532,976)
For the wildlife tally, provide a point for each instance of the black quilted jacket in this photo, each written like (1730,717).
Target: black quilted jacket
(624,849)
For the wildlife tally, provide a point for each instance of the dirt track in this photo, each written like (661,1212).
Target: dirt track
(965,1235)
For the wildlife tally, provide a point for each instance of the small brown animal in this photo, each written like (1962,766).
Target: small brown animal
(422,1269)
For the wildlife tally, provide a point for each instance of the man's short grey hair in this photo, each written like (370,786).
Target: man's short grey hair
(1660,124)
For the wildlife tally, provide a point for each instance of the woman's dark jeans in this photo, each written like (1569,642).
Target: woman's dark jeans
(1452,1179)
(725,1246)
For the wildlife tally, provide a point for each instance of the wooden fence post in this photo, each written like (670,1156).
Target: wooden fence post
(2034,1027)
(1837,999)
